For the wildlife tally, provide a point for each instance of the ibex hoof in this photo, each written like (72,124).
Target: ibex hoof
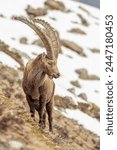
(33,117)
(42,125)
(51,130)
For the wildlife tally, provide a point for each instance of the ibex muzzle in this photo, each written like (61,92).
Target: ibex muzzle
(50,67)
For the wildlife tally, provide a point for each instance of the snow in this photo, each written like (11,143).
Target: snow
(11,7)
(7,60)
(10,29)
(92,124)
(16,144)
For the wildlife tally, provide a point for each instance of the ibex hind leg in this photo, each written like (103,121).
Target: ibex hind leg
(49,109)
(31,105)
(44,119)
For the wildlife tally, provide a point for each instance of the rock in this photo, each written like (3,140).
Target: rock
(83,96)
(73,46)
(13,38)
(83,74)
(83,20)
(74,22)
(90,108)
(72,90)
(64,102)
(76,83)
(1,16)
(77,31)
(57,5)
(23,40)
(96,23)
(96,91)
(52,18)
(93,77)
(12,53)
(38,42)
(95,50)
(85,10)
(34,12)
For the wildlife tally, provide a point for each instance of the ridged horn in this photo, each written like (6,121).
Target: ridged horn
(52,34)
(45,39)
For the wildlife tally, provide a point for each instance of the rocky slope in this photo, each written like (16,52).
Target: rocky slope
(77,112)
(19,131)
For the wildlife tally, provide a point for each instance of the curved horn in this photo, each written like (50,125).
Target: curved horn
(52,34)
(40,33)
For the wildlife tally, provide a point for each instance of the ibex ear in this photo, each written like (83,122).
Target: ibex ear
(43,56)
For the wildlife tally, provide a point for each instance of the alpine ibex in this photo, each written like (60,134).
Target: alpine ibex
(37,80)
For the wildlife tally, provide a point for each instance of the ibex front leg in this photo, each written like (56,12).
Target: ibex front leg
(49,109)
(41,111)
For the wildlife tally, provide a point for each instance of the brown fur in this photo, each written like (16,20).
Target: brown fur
(37,80)
(39,87)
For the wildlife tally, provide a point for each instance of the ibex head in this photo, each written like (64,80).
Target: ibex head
(50,66)
(51,42)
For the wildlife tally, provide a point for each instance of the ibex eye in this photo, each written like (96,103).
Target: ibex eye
(49,63)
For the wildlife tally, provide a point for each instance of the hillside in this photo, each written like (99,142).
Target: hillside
(77,90)
(17,129)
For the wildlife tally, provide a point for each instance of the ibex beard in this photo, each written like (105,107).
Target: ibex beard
(38,84)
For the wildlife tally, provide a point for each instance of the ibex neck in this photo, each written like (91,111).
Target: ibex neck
(39,77)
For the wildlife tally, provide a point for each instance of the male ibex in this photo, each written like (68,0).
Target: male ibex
(37,80)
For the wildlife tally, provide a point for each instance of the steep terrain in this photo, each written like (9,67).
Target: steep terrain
(77,112)
(19,131)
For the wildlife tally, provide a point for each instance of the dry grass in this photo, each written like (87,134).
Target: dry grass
(16,123)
